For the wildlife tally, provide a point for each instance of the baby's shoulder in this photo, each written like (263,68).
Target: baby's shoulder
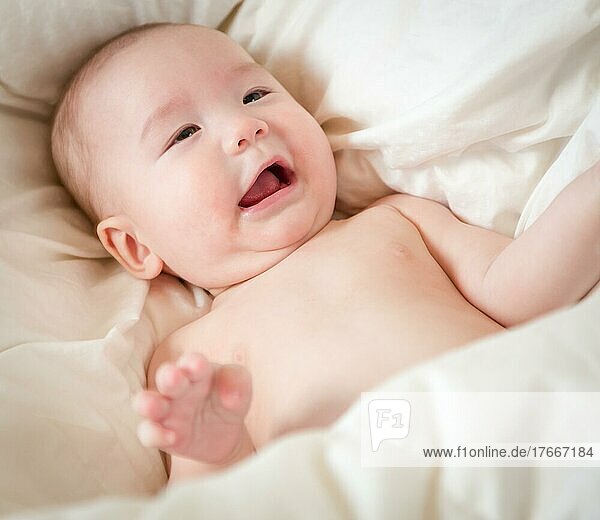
(382,211)
(203,335)
(174,344)
(179,341)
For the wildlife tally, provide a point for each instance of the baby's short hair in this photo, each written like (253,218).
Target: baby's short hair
(77,168)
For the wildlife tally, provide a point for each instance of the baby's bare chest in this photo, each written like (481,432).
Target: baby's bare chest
(368,260)
(374,252)
(357,280)
(332,317)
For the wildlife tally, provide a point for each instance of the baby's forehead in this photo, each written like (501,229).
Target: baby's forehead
(186,41)
(163,66)
(166,55)
(176,54)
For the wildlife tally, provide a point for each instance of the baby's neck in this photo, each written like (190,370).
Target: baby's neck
(215,292)
(222,292)
(292,249)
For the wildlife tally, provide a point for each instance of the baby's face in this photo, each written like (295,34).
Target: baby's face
(220,171)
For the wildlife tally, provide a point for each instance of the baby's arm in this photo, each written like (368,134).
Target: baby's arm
(197,415)
(553,263)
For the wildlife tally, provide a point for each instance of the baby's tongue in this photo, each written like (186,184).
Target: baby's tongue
(266,184)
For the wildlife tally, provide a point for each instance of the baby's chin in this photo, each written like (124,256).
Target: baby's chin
(254,265)
(247,265)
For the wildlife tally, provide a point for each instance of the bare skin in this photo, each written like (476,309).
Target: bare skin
(218,176)
(313,336)
(360,301)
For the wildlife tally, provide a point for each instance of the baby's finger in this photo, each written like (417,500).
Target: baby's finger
(150,405)
(153,435)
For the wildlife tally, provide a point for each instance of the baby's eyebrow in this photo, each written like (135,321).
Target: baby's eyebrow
(246,66)
(161,113)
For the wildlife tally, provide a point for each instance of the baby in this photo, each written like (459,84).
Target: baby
(193,160)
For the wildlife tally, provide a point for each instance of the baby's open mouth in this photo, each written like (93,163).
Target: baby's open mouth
(272,179)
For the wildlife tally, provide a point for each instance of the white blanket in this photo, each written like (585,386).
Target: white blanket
(468,103)
(318,474)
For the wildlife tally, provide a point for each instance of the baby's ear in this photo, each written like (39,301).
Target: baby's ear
(119,239)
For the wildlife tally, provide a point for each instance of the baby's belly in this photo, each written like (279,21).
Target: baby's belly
(359,302)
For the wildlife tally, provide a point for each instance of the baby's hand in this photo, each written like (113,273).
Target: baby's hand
(197,411)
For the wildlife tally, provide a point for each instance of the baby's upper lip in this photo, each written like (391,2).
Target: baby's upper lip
(286,170)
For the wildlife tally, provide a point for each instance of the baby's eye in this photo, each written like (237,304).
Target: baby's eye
(255,95)
(188,131)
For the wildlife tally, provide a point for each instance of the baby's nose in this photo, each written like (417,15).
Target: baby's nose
(245,132)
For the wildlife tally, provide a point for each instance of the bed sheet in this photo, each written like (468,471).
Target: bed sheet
(454,101)
(318,473)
